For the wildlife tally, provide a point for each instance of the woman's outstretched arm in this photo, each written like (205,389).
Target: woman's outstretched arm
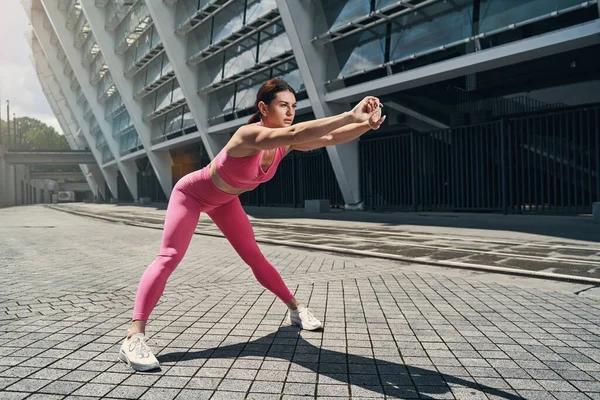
(342,135)
(263,138)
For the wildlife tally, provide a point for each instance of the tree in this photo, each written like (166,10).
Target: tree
(33,134)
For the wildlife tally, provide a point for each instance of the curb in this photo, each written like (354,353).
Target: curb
(364,253)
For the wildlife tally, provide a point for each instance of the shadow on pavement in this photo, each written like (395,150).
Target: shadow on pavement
(379,376)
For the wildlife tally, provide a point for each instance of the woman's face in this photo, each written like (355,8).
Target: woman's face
(281,111)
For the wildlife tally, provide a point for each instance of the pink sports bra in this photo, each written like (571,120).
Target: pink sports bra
(246,172)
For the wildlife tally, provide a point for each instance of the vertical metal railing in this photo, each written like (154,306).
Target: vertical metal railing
(279,191)
(545,163)
(453,169)
(556,161)
(387,165)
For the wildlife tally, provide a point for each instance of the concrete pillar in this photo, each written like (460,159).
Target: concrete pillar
(7,188)
(20,185)
(161,160)
(50,52)
(163,16)
(301,19)
(58,19)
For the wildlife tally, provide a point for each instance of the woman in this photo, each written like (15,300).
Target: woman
(250,157)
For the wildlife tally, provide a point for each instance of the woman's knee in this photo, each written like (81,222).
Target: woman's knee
(169,259)
(251,255)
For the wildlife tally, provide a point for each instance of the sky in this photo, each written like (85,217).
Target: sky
(18,80)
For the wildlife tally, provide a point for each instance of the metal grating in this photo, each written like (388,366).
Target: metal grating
(154,85)
(164,110)
(145,60)
(201,15)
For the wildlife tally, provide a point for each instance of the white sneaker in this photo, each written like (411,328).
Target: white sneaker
(135,352)
(305,319)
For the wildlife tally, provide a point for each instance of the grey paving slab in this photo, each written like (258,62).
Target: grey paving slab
(524,243)
(392,329)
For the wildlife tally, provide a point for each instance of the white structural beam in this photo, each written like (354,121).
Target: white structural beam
(160,160)
(300,18)
(58,20)
(164,18)
(50,52)
(563,40)
(64,115)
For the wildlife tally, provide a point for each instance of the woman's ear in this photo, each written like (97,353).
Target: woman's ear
(262,107)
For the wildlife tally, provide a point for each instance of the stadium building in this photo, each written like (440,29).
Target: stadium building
(492,105)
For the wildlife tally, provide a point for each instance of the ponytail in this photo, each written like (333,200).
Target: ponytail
(254,118)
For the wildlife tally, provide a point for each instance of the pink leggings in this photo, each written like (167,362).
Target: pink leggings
(193,194)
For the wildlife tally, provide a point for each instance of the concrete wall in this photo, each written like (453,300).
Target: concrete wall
(17,188)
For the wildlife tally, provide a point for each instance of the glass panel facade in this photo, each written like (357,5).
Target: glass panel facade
(188,119)
(116,11)
(379,4)
(239,58)
(245,98)
(174,121)
(171,123)
(429,29)
(120,124)
(130,29)
(241,96)
(365,53)
(163,96)
(90,49)
(439,24)
(177,93)
(146,43)
(128,141)
(154,71)
(339,12)
(497,14)
(113,106)
(294,79)
(199,39)
(187,8)
(106,87)
(258,8)
(106,155)
(83,30)
(228,21)
(99,68)
(274,42)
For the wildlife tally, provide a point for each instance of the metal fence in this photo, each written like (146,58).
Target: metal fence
(554,162)
(546,163)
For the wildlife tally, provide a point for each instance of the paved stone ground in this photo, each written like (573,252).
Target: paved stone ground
(391,329)
(549,251)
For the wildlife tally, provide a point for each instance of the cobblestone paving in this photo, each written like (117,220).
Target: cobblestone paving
(392,330)
(537,253)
